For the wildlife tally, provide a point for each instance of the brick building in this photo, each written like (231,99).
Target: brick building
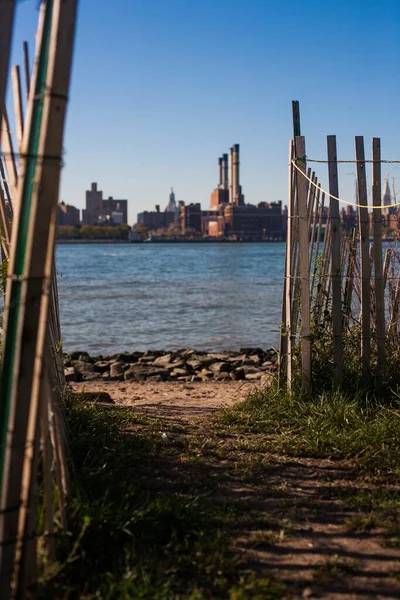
(68,215)
(99,210)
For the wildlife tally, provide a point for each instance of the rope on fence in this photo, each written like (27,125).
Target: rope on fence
(305,158)
(340,199)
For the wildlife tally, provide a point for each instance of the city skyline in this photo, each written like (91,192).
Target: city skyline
(153,105)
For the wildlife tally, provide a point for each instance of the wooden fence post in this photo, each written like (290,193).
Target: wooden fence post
(379,284)
(364,258)
(336,274)
(304,274)
(285,354)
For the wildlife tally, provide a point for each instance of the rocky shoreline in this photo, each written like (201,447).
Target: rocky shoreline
(249,364)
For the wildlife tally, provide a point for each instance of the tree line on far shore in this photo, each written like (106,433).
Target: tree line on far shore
(93,232)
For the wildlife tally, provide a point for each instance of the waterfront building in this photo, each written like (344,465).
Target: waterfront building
(99,210)
(115,210)
(68,215)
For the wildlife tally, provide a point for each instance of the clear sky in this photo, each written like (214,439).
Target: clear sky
(162,88)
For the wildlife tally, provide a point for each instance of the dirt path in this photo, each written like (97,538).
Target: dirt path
(172,399)
(308,530)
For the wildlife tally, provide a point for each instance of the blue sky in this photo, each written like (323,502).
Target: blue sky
(161,89)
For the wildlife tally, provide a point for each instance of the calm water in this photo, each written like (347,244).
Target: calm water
(169,296)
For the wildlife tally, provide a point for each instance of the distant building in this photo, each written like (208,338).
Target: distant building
(99,210)
(228,215)
(116,210)
(155,219)
(91,215)
(172,206)
(191,219)
(68,215)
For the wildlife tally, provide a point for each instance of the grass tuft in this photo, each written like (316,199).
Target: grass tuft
(332,425)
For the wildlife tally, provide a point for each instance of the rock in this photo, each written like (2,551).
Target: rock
(186,353)
(143,373)
(247,362)
(221,367)
(222,376)
(251,351)
(195,379)
(237,359)
(117,370)
(81,366)
(250,370)
(150,358)
(206,360)
(206,374)
(90,376)
(128,357)
(267,364)
(195,365)
(101,366)
(153,353)
(106,376)
(255,359)
(70,374)
(79,355)
(253,376)
(180,372)
(238,375)
(163,361)
(178,364)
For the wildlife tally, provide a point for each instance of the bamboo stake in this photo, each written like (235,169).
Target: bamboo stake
(9,156)
(287,301)
(7,12)
(319,237)
(283,352)
(27,68)
(336,275)
(19,115)
(386,265)
(364,251)
(352,257)
(37,277)
(379,282)
(303,266)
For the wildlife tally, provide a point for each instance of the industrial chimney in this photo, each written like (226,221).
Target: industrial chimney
(221,172)
(225,171)
(231,178)
(235,175)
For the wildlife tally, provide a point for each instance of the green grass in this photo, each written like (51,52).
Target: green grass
(142,533)
(162,521)
(331,425)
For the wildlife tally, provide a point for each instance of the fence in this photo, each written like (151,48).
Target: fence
(334,277)
(31,444)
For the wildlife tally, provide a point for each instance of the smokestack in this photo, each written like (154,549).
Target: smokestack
(235,174)
(221,173)
(231,178)
(225,171)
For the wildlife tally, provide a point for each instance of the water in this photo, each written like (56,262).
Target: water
(169,296)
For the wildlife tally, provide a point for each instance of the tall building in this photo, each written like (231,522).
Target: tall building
(99,211)
(171,206)
(91,215)
(387,199)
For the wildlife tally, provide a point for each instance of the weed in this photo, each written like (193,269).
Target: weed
(335,571)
